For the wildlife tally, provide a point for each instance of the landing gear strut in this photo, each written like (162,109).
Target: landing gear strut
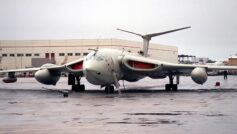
(74,80)
(171,85)
(109,89)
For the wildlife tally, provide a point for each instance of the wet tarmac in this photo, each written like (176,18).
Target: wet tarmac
(28,107)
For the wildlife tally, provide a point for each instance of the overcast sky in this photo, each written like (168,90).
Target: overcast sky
(213,32)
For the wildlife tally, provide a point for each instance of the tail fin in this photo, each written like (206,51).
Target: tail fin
(147,37)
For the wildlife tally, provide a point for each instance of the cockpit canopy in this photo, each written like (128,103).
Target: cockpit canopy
(94,56)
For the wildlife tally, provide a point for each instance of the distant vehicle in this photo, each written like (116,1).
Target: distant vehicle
(106,67)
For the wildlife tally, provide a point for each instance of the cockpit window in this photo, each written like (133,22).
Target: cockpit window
(95,56)
(99,57)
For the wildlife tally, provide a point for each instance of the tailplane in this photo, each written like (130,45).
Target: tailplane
(147,37)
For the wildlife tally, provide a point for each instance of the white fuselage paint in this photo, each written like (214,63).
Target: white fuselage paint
(100,66)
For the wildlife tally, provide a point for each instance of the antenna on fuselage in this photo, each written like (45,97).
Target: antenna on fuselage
(147,37)
(96,50)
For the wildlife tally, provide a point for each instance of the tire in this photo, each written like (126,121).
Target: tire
(74,87)
(81,88)
(106,89)
(111,89)
(78,88)
(65,95)
(167,87)
(175,87)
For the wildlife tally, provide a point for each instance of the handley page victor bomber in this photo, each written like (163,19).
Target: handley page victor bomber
(106,67)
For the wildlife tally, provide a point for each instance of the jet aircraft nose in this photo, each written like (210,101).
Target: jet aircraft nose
(91,68)
(97,72)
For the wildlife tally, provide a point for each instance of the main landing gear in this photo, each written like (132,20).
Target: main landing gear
(109,89)
(74,80)
(171,86)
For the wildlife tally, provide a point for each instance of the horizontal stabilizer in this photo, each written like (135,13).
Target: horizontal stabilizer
(130,32)
(147,37)
(166,32)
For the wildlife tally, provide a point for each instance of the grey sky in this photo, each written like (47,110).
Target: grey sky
(213,32)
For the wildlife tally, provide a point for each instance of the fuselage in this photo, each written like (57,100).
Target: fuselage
(103,67)
(100,66)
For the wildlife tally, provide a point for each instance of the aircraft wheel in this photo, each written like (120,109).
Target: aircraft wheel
(65,95)
(74,87)
(167,87)
(106,89)
(109,89)
(175,87)
(78,88)
(82,87)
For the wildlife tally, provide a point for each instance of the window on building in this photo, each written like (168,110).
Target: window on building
(84,54)
(28,54)
(77,54)
(37,54)
(53,56)
(12,55)
(4,55)
(61,54)
(47,55)
(69,54)
(20,55)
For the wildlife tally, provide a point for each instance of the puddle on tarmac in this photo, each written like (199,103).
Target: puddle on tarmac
(172,114)
(16,113)
(146,122)
(214,115)
(14,102)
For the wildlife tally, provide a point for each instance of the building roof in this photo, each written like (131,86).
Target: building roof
(233,57)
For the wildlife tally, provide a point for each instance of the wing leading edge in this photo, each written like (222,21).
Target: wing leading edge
(75,67)
(150,67)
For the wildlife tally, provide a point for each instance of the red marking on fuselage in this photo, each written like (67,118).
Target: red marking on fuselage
(77,66)
(141,65)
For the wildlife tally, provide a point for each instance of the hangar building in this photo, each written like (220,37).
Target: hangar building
(232,61)
(16,54)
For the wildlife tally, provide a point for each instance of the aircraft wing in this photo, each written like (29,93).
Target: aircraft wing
(75,67)
(155,68)
(20,70)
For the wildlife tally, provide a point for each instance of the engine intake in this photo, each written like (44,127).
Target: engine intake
(199,75)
